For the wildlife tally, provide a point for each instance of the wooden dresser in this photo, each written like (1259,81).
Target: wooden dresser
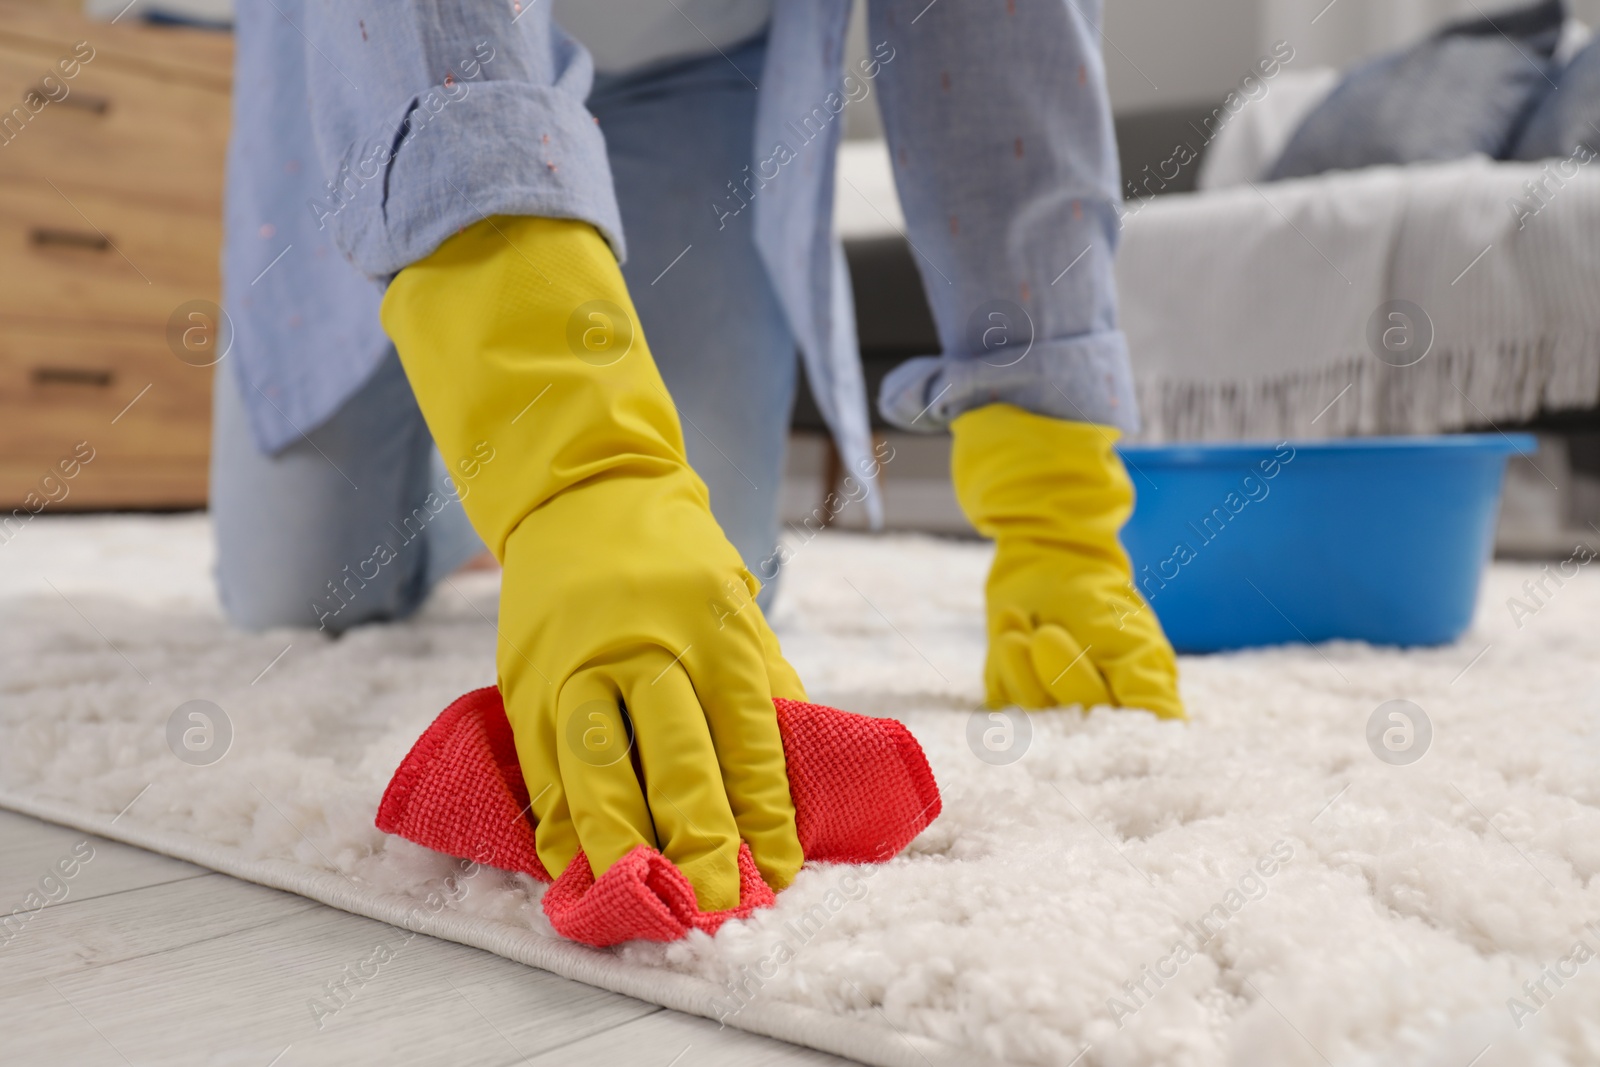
(110,233)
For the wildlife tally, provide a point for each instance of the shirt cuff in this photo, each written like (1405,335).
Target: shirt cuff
(504,149)
(1084,379)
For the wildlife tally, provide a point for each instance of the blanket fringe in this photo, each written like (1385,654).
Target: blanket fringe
(1460,387)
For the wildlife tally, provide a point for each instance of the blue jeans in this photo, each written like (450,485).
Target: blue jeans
(297,531)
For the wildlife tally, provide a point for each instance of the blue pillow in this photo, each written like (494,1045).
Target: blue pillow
(1468,88)
(1569,115)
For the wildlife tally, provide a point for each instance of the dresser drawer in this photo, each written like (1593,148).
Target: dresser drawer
(94,255)
(204,57)
(110,221)
(108,481)
(114,128)
(123,393)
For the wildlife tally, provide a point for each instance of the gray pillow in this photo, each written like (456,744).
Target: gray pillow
(1468,88)
(1569,115)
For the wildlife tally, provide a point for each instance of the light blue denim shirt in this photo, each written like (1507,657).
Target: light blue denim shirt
(367,133)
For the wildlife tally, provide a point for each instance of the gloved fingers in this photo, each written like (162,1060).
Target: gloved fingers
(1126,644)
(1011,675)
(594,747)
(782,678)
(732,684)
(533,729)
(682,777)
(1148,680)
(555,838)
(1067,668)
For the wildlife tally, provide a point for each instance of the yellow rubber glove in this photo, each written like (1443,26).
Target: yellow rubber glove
(620,590)
(1065,623)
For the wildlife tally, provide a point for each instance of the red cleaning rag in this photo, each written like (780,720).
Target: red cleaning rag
(861,788)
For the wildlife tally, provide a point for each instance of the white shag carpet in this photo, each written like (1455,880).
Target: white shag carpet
(1103,901)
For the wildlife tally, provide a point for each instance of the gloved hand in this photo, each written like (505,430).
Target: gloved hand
(1065,623)
(619,589)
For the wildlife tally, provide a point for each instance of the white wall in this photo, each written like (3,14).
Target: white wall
(1161,53)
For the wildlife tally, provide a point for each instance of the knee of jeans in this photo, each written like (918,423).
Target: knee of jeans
(254,606)
(329,599)
(252,603)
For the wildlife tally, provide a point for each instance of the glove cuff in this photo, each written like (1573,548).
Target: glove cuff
(1018,474)
(531,369)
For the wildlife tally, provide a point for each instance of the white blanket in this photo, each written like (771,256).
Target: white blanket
(1248,308)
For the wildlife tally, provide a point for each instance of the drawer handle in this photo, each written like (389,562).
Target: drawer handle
(92,376)
(95,105)
(93,242)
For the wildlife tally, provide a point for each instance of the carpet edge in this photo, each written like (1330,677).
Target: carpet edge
(796,1024)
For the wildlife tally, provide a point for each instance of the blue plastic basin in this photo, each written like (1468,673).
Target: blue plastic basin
(1379,539)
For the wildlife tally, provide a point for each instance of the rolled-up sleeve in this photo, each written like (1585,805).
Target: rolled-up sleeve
(432,114)
(999,126)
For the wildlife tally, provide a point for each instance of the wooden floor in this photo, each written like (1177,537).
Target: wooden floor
(146,960)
